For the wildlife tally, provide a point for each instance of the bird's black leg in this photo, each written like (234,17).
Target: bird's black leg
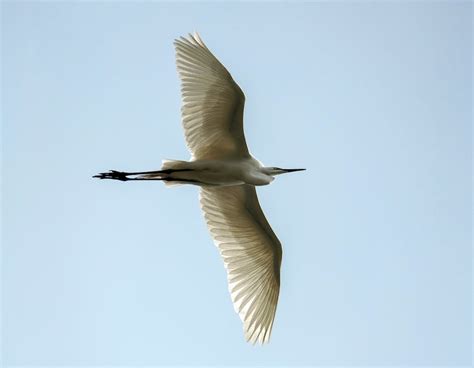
(144,175)
(125,176)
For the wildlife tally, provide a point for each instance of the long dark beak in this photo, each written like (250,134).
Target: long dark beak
(292,170)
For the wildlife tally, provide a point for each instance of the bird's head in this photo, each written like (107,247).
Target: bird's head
(277,170)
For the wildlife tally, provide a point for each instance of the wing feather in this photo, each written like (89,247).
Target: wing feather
(212,103)
(251,253)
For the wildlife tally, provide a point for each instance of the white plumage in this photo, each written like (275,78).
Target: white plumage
(251,253)
(213,104)
(212,116)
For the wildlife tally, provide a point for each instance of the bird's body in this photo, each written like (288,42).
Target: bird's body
(222,166)
(226,172)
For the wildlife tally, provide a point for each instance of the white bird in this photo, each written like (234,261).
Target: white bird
(212,116)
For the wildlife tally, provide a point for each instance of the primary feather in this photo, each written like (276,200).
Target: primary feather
(251,252)
(212,103)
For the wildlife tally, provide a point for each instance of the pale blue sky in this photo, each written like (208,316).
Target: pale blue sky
(374,99)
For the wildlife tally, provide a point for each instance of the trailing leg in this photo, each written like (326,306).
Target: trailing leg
(125,176)
(142,175)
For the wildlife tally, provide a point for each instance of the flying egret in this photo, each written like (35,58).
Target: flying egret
(221,164)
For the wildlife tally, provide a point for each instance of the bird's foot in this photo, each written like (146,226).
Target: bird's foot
(113,175)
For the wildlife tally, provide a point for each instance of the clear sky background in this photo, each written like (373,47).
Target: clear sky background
(374,99)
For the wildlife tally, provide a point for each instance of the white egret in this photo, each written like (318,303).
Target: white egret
(212,116)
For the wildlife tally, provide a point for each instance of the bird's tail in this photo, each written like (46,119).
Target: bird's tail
(171,165)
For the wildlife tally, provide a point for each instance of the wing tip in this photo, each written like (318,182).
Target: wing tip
(191,39)
(259,335)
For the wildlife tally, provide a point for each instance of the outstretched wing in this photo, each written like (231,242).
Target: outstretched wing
(251,252)
(212,103)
